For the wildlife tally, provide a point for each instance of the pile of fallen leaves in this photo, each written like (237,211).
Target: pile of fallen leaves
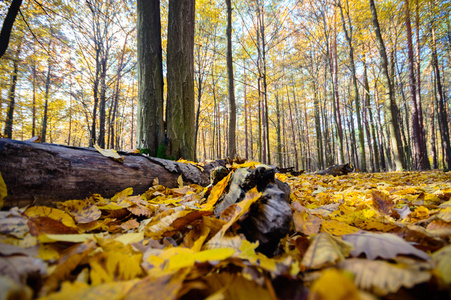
(359,236)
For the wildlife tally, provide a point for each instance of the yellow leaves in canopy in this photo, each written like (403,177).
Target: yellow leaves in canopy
(83,211)
(334,285)
(325,250)
(3,191)
(381,277)
(53,213)
(110,153)
(337,228)
(174,259)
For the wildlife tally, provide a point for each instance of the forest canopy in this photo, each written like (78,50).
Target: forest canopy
(315,83)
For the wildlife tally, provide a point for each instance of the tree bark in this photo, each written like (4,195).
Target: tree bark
(45,173)
(8,25)
(389,101)
(150,127)
(12,95)
(421,158)
(231,87)
(348,35)
(180,101)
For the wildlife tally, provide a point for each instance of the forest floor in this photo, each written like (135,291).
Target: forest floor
(358,236)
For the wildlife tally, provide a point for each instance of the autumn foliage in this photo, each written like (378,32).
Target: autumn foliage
(358,236)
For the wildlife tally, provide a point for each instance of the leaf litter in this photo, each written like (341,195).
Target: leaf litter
(358,236)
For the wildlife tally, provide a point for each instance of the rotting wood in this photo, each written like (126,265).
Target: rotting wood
(45,173)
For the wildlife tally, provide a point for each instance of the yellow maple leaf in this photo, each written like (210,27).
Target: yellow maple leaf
(52,213)
(325,250)
(334,285)
(110,153)
(83,211)
(3,191)
(216,192)
(337,228)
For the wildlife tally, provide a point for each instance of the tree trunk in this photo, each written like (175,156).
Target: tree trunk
(231,87)
(180,64)
(7,26)
(442,116)
(246,139)
(44,173)
(389,101)
(348,36)
(102,102)
(12,95)
(421,158)
(279,140)
(46,103)
(150,126)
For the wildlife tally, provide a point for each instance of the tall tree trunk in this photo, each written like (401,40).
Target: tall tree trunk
(442,115)
(46,101)
(7,25)
(180,64)
(319,138)
(420,155)
(246,140)
(102,102)
(231,87)
(348,35)
(292,131)
(117,91)
(279,138)
(95,89)
(389,101)
(33,126)
(12,94)
(150,126)
(333,68)
(418,70)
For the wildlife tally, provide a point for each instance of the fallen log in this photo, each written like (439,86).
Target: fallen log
(45,173)
(337,170)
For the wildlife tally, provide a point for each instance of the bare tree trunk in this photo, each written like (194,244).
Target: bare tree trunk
(12,95)
(46,97)
(7,26)
(420,155)
(442,116)
(180,63)
(348,35)
(389,101)
(246,140)
(231,87)
(150,126)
